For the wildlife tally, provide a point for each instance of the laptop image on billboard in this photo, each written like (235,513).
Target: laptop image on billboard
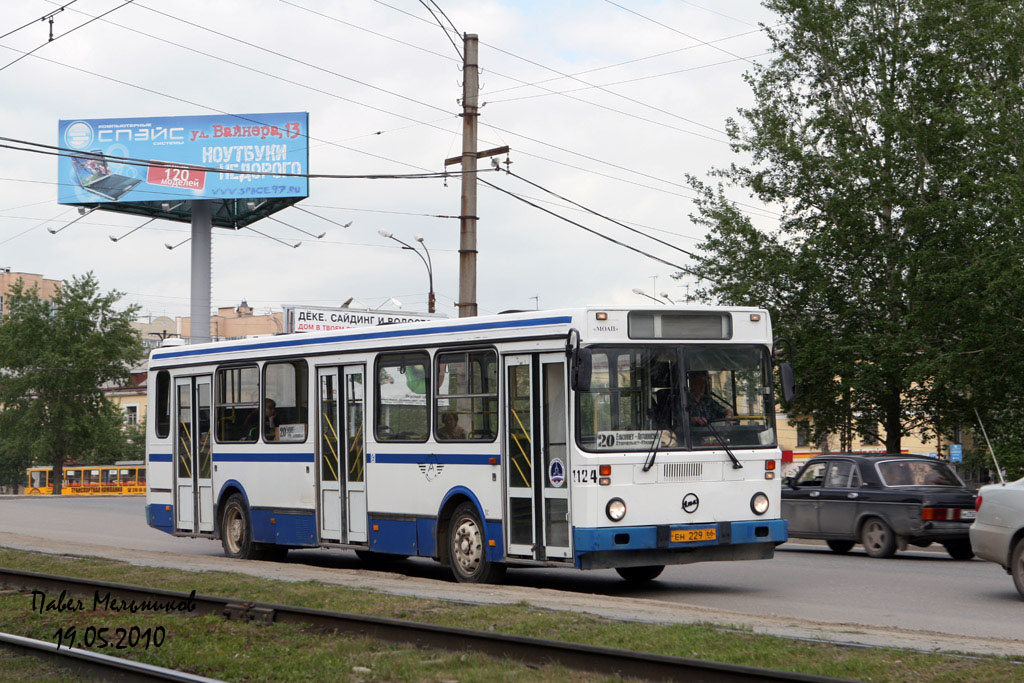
(94,176)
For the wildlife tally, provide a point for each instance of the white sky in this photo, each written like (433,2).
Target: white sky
(628,164)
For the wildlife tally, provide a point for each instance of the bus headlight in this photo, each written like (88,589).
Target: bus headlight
(615,509)
(759,503)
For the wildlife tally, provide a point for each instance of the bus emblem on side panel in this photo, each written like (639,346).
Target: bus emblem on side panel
(431,469)
(690,503)
(556,473)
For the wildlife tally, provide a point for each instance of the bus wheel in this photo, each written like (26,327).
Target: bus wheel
(466,548)
(640,574)
(236,530)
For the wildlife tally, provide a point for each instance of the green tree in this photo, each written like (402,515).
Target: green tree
(889,133)
(54,357)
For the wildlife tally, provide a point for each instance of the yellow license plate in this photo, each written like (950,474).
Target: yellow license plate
(694,535)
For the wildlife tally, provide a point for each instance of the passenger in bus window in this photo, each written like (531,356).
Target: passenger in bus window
(704,409)
(270,419)
(450,428)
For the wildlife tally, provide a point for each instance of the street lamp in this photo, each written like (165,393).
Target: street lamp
(665,295)
(641,292)
(426,261)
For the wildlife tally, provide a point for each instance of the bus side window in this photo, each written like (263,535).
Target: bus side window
(285,396)
(142,475)
(236,405)
(466,405)
(163,404)
(127,477)
(402,383)
(108,477)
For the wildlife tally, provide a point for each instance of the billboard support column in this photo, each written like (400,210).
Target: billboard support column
(202,227)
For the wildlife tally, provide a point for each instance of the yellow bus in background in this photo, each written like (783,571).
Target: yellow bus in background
(126,478)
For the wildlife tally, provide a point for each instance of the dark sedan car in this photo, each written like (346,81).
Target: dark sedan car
(884,502)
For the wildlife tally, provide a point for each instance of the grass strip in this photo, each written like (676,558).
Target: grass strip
(212,646)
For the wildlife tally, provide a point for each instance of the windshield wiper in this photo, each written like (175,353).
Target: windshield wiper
(736,464)
(652,452)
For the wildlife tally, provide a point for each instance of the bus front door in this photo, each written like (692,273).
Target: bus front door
(193,483)
(342,469)
(536,462)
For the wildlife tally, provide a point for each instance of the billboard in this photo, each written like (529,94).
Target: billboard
(176,158)
(323,319)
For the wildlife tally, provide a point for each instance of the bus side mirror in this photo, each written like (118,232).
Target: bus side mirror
(582,364)
(788,382)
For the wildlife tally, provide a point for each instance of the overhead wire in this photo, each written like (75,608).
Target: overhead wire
(623,82)
(672,28)
(629,61)
(423,123)
(36,21)
(600,215)
(585,228)
(56,150)
(72,30)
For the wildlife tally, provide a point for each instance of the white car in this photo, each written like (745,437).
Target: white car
(998,533)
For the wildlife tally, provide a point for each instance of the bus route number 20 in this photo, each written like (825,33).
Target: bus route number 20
(584,475)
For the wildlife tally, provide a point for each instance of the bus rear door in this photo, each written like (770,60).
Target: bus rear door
(341,459)
(193,484)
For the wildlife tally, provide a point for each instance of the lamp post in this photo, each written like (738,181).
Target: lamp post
(641,292)
(666,296)
(426,262)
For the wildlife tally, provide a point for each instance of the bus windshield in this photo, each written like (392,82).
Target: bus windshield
(678,396)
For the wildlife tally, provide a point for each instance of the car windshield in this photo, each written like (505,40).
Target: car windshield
(917,473)
(638,392)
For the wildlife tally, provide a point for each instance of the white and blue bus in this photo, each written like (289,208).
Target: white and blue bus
(592,438)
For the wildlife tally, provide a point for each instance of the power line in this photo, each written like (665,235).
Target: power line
(220,111)
(53,38)
(42,18)
(628,80)
(54,150)
(708,9)
(276,54)
(169,96)
(595,104)
(583,227)
(442,26)
(682,33)
(629,61)
(600,215)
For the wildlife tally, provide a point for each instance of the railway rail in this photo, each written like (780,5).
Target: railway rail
(95,664)
(534,651)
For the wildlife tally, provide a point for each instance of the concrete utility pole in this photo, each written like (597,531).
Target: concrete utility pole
(467,213)
(202,226)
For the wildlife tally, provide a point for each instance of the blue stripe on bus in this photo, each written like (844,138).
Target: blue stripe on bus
(439,458)
(263,457)
(160,457)
(468,327)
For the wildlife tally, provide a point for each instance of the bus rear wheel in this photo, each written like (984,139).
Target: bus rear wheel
(236,530)
(640,574)
(467,548)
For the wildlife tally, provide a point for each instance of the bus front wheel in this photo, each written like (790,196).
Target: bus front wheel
(467,548)
(640,574)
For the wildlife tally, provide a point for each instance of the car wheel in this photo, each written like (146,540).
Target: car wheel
(840,546)
(467,548)
(878,538)
(1017,567)
(640,574)
(959,550)
(236,530)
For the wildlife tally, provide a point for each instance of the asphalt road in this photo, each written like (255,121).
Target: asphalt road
(919,589)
